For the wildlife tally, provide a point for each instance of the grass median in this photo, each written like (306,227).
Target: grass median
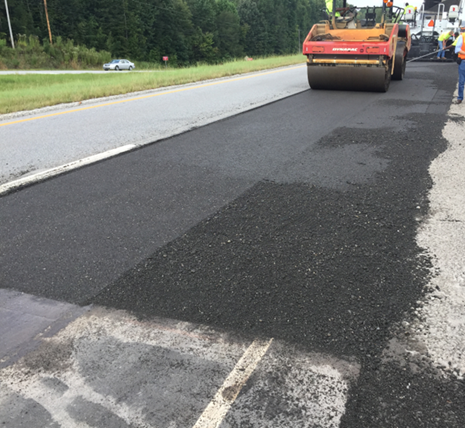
(20,92)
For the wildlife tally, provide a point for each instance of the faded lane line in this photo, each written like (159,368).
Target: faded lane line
(146,96)
(215,412)
(43,175)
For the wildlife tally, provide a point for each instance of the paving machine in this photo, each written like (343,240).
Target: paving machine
(428,22)
(360,50)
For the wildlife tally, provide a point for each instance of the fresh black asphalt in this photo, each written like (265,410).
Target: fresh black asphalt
(283,222)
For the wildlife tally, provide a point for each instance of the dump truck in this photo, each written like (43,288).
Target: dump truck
(361,50)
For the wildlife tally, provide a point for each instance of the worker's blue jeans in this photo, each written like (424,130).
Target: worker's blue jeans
(461,79)
(441,54)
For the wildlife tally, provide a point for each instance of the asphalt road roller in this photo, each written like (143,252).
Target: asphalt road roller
(362,49)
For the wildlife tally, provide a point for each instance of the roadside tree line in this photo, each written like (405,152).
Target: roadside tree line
(187,31)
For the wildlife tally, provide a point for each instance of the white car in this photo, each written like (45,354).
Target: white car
(119,64)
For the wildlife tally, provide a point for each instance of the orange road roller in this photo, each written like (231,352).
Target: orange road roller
(360,50)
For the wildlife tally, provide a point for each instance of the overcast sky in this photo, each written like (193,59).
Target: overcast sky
(398,3)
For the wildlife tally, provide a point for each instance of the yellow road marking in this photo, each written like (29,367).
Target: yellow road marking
(145,96)
(215,412)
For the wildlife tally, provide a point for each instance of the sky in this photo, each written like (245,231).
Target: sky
(399,3)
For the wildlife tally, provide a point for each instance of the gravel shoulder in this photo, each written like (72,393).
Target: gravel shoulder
(440,322)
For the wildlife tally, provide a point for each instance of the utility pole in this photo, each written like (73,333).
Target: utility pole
(48,23)
(9,25)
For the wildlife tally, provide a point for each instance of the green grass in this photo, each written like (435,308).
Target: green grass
(30,91)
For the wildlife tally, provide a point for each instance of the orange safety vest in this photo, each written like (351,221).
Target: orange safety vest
(461,55)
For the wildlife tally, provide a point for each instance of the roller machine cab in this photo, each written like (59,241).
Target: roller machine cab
(360,50)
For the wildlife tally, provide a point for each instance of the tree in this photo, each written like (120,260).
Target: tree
(228,34)
(254,24)
(188,31)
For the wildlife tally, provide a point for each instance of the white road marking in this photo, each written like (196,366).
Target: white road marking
(43,175)
(173,125)
(224,398)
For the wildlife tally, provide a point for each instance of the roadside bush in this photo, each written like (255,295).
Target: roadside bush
(30,53)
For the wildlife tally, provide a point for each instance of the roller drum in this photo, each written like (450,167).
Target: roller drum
(402,32)
(349,78)
(399,63)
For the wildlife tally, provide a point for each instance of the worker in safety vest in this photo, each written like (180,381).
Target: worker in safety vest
(442,43)
(460,50)
(408,6)
(453,45)
(329,8)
